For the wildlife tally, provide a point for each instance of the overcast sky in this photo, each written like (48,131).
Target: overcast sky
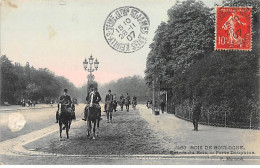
(60,34)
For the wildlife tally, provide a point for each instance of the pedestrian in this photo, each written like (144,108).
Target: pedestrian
(108,107)
(196,115)
(162,106)
(148,104)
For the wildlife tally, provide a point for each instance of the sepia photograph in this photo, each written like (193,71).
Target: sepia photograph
(129,82)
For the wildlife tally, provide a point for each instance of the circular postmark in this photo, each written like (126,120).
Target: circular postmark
(126,29)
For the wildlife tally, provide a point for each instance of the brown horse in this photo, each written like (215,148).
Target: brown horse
(92,116)
(65,118)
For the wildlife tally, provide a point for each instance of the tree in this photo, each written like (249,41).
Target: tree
(8,80)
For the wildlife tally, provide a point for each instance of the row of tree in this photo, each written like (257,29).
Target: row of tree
(25,82)
(182,55)
(41,85)
(134,86)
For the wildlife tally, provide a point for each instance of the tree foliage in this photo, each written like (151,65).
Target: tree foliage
(25,82)
(134,85)
(182,55)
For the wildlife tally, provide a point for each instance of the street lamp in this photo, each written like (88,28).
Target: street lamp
(90,69)
(96,64)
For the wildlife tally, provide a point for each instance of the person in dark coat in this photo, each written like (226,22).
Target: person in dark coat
(196,115)
(162,106)
(108,107)
(96,98)
(65,102)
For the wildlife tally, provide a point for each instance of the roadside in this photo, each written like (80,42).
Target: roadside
(18,107)
(178,133)
(135,137)
(129,134)
(26,121)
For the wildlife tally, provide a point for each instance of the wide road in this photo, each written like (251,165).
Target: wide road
(134,137)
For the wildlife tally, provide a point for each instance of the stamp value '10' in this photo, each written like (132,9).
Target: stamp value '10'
(233,28)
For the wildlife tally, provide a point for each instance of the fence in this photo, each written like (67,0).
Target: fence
(220,117)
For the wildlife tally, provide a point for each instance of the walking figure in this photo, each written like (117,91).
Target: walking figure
(108,106)
(196,115)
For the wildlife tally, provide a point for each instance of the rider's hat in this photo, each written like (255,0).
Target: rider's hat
(65,90)
(109,90)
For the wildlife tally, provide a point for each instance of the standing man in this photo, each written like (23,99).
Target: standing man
(196,115)
(162,106)
(109,109)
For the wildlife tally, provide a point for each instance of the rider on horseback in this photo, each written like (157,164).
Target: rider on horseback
(96,98)
(65,103)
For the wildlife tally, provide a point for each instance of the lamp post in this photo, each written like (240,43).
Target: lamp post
(91,68)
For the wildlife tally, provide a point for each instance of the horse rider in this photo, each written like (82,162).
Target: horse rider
(73,110)
(65,102)
(122,99)
(114,102)
(96,98)
(108,103)
(128,98)
(134,101)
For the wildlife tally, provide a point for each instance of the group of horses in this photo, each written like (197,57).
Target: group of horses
(93,118)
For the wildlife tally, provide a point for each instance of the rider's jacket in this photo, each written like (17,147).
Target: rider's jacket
(65,100)
(109,98)
(128,98)
(96,97)
(121,97)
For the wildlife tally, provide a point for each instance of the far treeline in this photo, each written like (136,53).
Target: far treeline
(134,86)
(25,82)
(182,55)
(43,86)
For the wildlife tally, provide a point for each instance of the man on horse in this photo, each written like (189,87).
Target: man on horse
(66,113)
(134,101)
(127,101)
(93,98)
(64,103)
(108,105)
(122,101)
(114,102)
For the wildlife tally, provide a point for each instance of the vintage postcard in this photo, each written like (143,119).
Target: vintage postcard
(129,82)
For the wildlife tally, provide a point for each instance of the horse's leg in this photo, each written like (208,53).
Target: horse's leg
(60,124)
(90,127)
(111,116)
(97,127)
(67,129)
(69,123)
(94,129)
(107,116)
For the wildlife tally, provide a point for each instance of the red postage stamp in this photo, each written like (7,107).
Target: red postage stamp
(233,28)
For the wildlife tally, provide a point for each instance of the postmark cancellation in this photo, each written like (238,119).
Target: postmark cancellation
(126,29)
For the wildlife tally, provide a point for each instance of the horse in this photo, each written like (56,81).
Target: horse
(65,118)
(109,110)
(121,103)
(114,105)
(127,103)
(134,103)
(92,115)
